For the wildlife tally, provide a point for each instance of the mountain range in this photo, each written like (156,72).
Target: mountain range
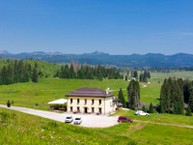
(133,60)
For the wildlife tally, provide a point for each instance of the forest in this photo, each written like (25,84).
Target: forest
(18,71)
(15,71)
(176,94)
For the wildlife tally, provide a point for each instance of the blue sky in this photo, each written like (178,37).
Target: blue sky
(84,26)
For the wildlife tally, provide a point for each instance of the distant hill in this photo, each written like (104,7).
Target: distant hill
(133,60)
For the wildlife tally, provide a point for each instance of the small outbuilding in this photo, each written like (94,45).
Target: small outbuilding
(60,104)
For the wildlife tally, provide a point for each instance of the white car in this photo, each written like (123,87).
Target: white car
(77,120)
(68,119)
(141,113)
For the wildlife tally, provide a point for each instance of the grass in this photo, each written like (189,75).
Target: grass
(159,118)
(36,95)
(162,135)
(25,129)
(15,129)
(29,94)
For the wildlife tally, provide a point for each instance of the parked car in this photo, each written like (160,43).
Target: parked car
(77,120)
(68,119)
(141,113)
(124,119)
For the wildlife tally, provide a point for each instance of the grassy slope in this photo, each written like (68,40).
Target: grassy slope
(16,130)
(42,131)
(159,118)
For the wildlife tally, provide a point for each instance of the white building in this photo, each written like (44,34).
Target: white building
(91,100)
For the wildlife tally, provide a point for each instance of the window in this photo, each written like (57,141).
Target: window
(85,101)
(100,102)
(71,101)
(92,101)
(78,109)
(78,101)
(92,109)
(100,110)
(71,109)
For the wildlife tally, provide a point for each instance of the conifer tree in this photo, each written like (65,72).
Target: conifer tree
(190,100)
(163,97)
(135,75)
(10,74)
(72,73)
(121,98)
(35,73)
(4,75)
(171,97)
(133,94)
(151,108)
(188,111)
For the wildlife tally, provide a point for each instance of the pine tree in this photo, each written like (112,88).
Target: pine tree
(35,73)
(133,94)
(171,97)
(178,98)
(81,74)
(121,97)
(10,74)
(141,77)
(163,97)
(72,73)
(144,108)
(135,75)
(186,90)
(188,111)
(151,108)
(4,79)
(190,99)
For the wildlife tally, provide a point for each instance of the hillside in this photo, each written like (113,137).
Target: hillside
(133,60)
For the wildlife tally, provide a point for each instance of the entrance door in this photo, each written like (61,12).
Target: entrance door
(85,110)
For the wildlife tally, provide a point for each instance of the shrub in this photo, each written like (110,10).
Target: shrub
(8,103)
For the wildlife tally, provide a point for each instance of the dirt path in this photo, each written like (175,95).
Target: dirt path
(167,124)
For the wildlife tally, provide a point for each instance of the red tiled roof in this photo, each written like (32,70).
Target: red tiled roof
(89,92)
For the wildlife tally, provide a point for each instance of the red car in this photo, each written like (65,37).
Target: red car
(124,119)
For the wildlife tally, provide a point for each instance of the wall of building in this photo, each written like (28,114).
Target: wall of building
(90,105)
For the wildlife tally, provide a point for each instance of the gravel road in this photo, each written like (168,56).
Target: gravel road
(88,120)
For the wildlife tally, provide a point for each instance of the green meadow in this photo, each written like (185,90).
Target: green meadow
(18,128)
(23,129)
(30,94)
(37,95)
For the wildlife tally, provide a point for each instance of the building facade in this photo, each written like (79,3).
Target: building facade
(91,101)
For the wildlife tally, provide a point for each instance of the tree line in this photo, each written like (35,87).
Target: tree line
(15,71)
(88,72)
(18,71)
(133,91)
(176,95)
(143,77)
